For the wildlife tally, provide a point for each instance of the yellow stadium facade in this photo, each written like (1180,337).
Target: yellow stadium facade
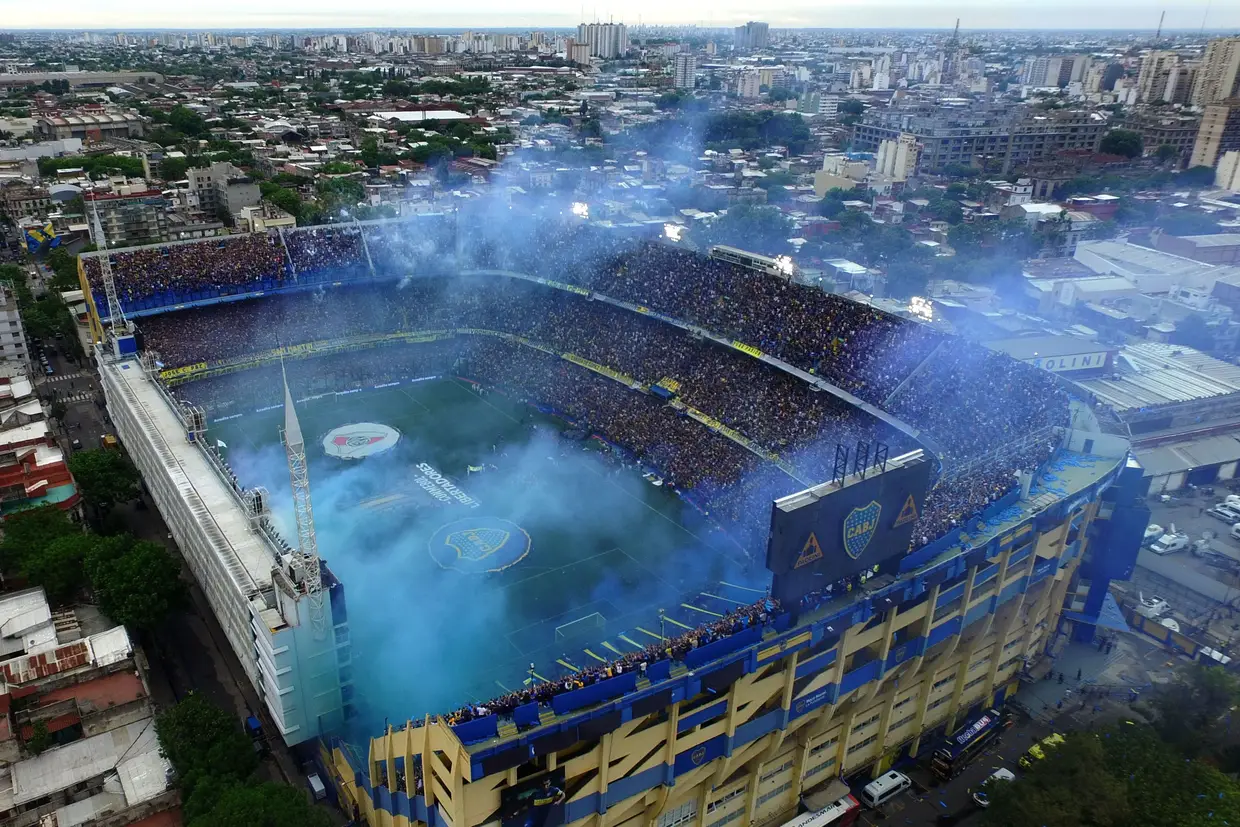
(737,736)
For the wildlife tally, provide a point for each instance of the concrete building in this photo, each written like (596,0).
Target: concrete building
(79,79)
(1227,175)
(223,190)
(1219,76)
(684,70)
(131,217)
(751,37)
(1054,70)
(21,198)
(33,470)
(605,40)
(749,85)
(1175,129)
(12,333)
(1218,248)
(89,692)
(1219,133)
(897,159)
(996,136)
(839,171)
(1158,74)
(89,126)
(225,536)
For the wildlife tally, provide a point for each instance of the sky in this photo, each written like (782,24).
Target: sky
(974,14)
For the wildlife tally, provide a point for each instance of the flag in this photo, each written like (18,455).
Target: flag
(34,239)
(220,443)
(50,232)
(474,469)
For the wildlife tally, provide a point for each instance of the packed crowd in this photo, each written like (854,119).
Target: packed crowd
(735,621)
(236,264)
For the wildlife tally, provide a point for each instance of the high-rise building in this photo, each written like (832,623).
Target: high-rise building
(1054,70)
(1219,76)
(752,36)
(606,40)
(748,85)
(1152,76)
(685,70)
(897,158)
(1218,134)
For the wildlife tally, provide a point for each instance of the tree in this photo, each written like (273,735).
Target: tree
(1050,792)
(1196,177)
(1165,153)
(201,740)
(1180,222)
(261,805)
(762,230)
(40,739)
(105,476)
(138,583)
(59,568)
(186,121)
(1191,708)
(27,534)
(1124,142)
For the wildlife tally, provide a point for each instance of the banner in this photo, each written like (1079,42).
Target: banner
(750,349)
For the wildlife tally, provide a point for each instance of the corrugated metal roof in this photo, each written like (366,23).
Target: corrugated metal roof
(1154,373)
(1167,459)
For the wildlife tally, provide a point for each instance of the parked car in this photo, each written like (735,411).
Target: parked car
(1227,513)
(1000,776)
(1170,543)
(1152,532)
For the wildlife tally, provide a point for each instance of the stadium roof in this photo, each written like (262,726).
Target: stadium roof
(423,115)
(1153,373)
(1031,347)
(1168,459)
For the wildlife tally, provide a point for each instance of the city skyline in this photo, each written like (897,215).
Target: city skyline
(910,14)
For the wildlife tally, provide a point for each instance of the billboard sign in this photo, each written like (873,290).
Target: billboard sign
(831,531)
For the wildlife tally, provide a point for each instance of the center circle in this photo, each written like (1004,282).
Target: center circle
(477,545)
(359,439)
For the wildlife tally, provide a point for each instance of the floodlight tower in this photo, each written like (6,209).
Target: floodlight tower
(305,561)
(116,316)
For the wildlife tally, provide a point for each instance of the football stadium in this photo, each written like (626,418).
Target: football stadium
(513,516)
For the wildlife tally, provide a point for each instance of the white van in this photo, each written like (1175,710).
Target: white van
(884,788)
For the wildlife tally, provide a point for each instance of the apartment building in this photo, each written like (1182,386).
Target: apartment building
(1218,134)
(223,190)
(1157,128)
(131,216)
(1004,137)
(1219,76)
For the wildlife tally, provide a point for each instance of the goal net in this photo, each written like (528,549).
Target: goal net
(591,624)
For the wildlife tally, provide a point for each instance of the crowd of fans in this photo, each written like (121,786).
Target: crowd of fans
(676,648)
(220,265)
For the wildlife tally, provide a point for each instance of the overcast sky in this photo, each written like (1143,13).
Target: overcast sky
(975,14)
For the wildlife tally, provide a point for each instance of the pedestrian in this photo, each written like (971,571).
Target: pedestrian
(1078,676)
(1110,646)
(1061,678)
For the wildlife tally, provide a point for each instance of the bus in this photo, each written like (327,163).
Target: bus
(842,812)
(963,746)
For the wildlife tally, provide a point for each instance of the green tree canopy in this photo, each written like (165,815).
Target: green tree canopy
(137,583)
(202,741)
(27,534)
(105,476)
(58,568)
(1191,708)
(261,805)
(1165,153)
(1125,142)
(1052,792)
(763,230)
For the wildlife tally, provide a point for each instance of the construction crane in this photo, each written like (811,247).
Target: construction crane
(117,324)
(305,561)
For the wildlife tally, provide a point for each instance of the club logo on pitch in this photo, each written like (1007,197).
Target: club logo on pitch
(358,440)
(859,528)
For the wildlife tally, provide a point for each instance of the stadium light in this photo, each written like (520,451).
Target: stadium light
(785,265)
(581,209)
(674,232)
(921,308)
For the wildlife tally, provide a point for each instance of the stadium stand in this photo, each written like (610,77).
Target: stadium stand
(972,401)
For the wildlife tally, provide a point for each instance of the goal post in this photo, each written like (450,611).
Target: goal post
(592,624)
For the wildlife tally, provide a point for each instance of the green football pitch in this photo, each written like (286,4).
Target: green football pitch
(455,580)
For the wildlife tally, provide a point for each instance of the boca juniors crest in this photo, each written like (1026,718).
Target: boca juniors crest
(479,544)
(859,528)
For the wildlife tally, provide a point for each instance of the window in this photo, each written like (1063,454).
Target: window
(830,742)
(939,684)
(903,721)
(684,814)
(873,719)
(769,775)
(765,797)
(732,816)
(862,744)
(737,793)
(974,683)
(820,767)
(939,702)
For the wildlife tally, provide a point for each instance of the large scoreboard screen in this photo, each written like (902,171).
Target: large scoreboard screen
(828,532)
